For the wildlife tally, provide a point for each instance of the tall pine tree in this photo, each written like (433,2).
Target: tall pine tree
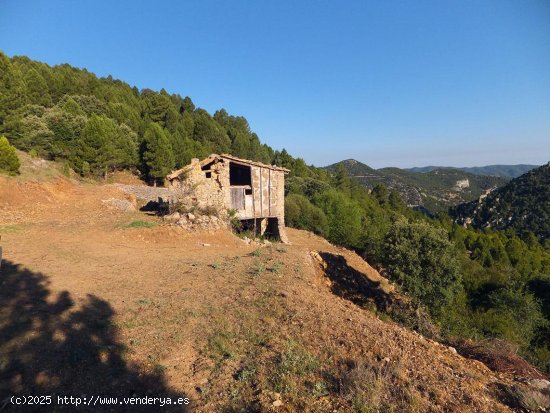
(105,146)
(158,156)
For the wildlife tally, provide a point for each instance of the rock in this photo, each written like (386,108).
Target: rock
(386,359)
(283,294)
(190,216)
(172,217)
(540,384)
(452,350)
(277,403)
(121,204)
(205,245)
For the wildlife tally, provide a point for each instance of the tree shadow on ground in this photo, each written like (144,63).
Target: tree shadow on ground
(49,346)
(353,285)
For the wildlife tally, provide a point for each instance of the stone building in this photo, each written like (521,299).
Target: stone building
(254,190)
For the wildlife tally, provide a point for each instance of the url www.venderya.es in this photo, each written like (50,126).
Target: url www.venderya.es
(97,400)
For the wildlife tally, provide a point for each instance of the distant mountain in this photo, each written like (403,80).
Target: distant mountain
(435,191)
(505,171)
(354,167)
(523,204)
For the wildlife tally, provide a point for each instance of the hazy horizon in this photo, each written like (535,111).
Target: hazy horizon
(433,166)
(414,84)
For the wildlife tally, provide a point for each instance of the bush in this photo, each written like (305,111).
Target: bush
(420,258)
(513,315)
(345,218)
(302,214)
(9,162)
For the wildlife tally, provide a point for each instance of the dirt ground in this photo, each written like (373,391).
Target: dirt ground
(93,304)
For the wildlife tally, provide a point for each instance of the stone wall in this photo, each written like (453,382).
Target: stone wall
(200,190)
(211,188)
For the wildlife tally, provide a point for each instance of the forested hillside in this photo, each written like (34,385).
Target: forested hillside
(100,125)
(504,171)
(522,205)
(473,284)
(435,190)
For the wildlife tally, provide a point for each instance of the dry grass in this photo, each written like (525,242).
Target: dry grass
(499,356)
(233,329)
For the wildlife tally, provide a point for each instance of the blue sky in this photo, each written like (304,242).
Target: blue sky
(390,83)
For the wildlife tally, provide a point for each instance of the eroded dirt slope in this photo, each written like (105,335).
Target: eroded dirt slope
(90,304)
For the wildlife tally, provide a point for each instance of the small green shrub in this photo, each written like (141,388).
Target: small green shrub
(258,268)
(221,346)
(141,224)
(9,162)
(247,373)
(181,208)
(209,210)
(277,267)
(290,364)
(144,301)
(237,226)
(66,169)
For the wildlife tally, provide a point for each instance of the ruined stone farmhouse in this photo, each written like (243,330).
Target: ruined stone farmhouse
(253,189)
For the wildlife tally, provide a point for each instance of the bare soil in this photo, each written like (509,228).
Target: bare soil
(90,304)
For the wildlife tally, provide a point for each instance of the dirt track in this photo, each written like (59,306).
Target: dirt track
(90,305)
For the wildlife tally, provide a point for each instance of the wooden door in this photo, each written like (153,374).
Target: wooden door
(237,199)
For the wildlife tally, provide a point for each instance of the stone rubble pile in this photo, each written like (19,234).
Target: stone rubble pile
(195,222)
(148,193)
(120,204)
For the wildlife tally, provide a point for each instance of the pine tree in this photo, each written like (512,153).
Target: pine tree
(158,156)
(380,192)
(9,162)
(72,107)
(241,145)
(96,147)
(342,179)
(37,88)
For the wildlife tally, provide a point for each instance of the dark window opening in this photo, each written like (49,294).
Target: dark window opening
(208,174)
(248,191)
(239,174)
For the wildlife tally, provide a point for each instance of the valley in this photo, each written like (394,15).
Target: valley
(433,190)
